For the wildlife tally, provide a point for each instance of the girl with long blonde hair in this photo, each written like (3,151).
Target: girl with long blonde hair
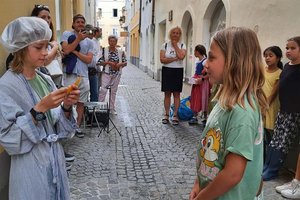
(230,153)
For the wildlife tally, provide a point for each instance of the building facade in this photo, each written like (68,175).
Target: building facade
(134,30)
(274,21)
(108,15)
(147,30)
(91,12)
(125,25)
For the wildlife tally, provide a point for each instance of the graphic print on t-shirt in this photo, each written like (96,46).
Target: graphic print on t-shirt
(209,152)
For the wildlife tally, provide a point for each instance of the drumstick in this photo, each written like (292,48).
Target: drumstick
(70,88)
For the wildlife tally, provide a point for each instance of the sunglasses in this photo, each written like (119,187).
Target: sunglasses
(41,6)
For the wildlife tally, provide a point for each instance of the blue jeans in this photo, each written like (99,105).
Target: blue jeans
(93,87)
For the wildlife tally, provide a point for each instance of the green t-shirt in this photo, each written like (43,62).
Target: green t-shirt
(238,131)
(41,87)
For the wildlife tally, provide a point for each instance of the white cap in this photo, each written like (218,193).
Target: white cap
(24,31)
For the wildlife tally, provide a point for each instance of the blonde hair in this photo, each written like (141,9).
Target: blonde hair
(172,29)
(18,61)
(244,69)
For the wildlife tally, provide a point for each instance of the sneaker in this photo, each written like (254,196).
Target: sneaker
(68,166)
(292,193)
(69,157)
(113,112)
(193,121)
(79,133)
(287,186)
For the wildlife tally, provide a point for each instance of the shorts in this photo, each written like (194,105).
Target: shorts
(172,79)
(84,86)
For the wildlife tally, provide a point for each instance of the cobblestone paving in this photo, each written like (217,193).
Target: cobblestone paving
(149,161)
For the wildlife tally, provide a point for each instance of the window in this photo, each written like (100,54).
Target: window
(115,32)
(218,19)
(115,12)
(99,13)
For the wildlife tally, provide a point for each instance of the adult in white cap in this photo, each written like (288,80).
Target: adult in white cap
(34,116)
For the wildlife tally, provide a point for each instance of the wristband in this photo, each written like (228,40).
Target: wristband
(66,110)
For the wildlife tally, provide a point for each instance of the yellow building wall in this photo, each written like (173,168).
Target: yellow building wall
(11,10)
(66,15)
(70,8)
(134,35)
(135,42)
(17,8)
(135,19)
(78,7)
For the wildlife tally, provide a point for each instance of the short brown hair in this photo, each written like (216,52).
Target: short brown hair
(78,16)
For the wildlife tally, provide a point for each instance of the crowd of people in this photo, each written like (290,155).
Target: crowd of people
(255,117)
(246,136)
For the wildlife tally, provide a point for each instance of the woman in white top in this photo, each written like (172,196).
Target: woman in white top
(172,54)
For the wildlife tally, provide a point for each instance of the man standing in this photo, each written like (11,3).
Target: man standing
(94,34)
(76,44)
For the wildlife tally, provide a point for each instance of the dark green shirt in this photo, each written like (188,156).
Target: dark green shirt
(42,88)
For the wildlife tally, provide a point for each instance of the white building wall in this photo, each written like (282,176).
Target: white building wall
(90,12)
(128,14)
(109,24)
(126,27)
(146,38)
(274,21)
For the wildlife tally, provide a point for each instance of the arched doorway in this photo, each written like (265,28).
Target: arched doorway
(187,38)
(214,20)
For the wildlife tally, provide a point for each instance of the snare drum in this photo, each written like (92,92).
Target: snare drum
(98,106)
(96,111)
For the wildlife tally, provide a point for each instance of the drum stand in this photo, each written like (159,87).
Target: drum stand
(108,87)
(91,112)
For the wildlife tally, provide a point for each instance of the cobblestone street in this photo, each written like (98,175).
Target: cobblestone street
(149,161)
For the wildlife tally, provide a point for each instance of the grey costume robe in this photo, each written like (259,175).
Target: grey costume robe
(37,165)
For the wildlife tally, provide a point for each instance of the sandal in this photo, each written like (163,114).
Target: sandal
(175,120)
(165,120)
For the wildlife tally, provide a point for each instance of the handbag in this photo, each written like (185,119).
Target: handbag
(54,67)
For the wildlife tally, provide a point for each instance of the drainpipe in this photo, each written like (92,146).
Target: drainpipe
(140,18)
(153,10)
(95,14)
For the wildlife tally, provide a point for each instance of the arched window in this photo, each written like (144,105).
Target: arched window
(218,19)
(214,20)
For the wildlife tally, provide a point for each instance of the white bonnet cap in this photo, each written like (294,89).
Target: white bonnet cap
(23,31)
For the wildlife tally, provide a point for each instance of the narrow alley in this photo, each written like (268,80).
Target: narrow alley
(150,160)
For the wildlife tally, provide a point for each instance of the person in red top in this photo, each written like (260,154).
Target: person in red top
(196,80)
